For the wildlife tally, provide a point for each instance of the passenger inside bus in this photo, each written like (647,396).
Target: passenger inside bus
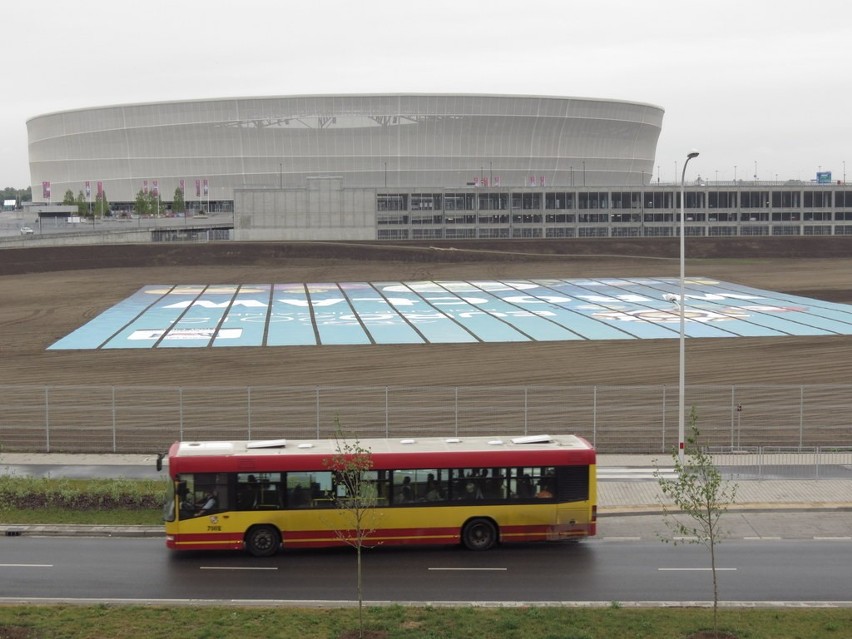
(544,491)
(406,494)
(247,494)
(471,491)
(433,489)
(525,487)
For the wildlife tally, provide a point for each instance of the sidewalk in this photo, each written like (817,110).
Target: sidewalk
(638,496)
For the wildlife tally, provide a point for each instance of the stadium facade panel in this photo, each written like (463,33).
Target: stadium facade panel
(368,141)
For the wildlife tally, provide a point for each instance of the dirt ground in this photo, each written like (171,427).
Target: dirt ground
(46,293)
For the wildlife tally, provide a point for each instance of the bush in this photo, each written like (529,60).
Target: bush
(31,493)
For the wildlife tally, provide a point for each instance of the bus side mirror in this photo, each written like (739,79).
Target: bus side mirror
(160,461)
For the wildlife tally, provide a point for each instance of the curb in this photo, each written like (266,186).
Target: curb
(96,530)
(79,530)
(745,507)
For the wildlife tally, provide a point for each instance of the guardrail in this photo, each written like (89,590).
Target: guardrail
(779,462)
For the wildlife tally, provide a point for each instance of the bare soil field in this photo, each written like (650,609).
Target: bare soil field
(45,293)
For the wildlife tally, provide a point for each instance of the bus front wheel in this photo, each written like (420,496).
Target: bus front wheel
(479,534)
(262,541)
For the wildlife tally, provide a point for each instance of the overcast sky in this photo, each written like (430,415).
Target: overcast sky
(748,83)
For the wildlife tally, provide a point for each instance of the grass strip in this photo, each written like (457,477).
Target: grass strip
(403,622)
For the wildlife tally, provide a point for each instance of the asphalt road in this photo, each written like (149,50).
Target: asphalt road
(612,567)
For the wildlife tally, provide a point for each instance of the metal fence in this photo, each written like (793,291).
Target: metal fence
(616,419)
(780,462)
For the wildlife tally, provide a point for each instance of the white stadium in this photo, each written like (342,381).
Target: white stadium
(410,167)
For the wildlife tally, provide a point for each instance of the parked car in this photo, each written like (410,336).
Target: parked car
(27,230)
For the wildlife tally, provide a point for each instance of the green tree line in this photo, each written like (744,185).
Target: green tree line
(19,195)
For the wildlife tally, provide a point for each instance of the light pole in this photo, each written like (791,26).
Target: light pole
(681,414)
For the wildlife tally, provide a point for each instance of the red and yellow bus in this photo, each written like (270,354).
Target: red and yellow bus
(477,491)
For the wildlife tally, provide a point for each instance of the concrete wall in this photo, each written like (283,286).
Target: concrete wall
(77,239)
(323,210)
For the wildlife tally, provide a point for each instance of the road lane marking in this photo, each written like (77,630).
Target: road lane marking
(238,568)
(693,569)
(615,538)
(832,538)
(26,565)
(469,569)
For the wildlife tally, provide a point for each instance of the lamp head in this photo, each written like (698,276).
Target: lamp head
(692,154)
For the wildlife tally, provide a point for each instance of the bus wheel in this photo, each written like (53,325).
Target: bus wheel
(479,534)
(262,541)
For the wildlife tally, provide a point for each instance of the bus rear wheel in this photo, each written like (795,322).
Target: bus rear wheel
(262,541)
(479,534)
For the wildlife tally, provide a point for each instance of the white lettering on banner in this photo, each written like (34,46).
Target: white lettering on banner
(470,314)
(415,317)
(316,303)
(455,301)
(529,299)
(670,317)
(206,304)
(331,317)
(194,320)
(458,287)
(184,333)
(606,299)
(335,321)
(774,309)
(370,317)
(261,318)
(393,301)
(723,296)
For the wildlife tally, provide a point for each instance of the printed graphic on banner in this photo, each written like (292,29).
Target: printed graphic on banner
(442,312)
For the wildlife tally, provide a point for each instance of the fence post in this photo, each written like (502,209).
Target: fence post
(594,416)
(663,440)
(47,417)
(248,409)
(817,455)
(456,410)
(733,410)
(113,420)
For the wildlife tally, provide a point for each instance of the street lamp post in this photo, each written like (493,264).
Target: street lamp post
(682,359)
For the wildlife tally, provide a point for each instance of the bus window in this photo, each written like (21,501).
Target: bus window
(203,494)
(248,491)
(546,484)
(573,483)
(493,483)
(259,491)
(312,489)
(532,482)
(403,487)
(468,484)
(521,484)
(375,487)
(434,488)
(419,485)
